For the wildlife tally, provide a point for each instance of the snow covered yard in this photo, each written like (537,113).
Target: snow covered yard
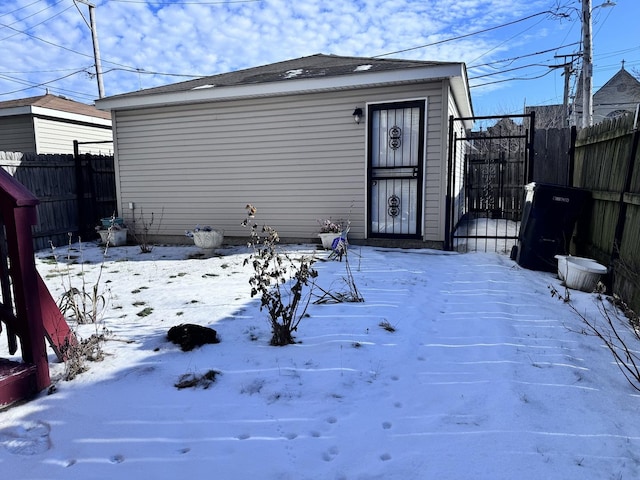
(483,376)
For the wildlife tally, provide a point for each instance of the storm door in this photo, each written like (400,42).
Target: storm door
(396,153)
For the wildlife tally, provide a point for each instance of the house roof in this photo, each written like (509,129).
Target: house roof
(35,105)
(302,75)
(624,83)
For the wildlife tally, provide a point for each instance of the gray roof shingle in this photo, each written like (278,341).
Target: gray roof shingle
(313,66)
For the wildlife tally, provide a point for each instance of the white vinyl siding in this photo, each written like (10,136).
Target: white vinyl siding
(297,158)
(55,136)
(16,134)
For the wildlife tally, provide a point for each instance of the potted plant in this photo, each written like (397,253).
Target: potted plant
(206,237)
(112,231)
(329,231)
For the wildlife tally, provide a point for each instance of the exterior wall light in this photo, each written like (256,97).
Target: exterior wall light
(357,115)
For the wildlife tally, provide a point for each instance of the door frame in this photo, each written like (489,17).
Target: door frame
(420,103)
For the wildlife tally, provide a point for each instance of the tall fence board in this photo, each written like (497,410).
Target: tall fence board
(551,163)
(607,163)
(74,192)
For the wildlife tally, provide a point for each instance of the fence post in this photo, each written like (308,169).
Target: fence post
(572,156)
(531,147)
(80,200)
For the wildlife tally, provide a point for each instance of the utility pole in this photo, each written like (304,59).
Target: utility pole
(587,65)
(568,70)
(96,47)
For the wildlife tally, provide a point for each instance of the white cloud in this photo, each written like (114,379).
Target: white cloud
(205,39)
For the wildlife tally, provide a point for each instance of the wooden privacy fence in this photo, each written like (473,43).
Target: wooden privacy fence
(552,158)
(74,191)
(607,163)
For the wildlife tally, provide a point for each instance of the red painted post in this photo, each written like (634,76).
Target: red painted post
(25,286)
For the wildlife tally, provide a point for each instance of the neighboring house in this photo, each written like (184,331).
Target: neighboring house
(49,124)
(284,138)
(619,96)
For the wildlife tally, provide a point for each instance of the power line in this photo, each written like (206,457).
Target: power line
(123,67)
(465,35)
(508,70)
(35,13)
(18,9)
(45,41)
(522,56)
(511,79)
(30,85)
(75,69)
(153,2)
(32,15)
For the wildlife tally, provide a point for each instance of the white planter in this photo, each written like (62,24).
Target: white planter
(327,239)
(115,237)
(208,239)
(580,273)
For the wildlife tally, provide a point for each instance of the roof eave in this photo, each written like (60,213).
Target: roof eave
(455,71)
(57,114)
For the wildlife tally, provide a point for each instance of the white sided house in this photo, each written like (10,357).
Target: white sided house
(363,140)
(49,124)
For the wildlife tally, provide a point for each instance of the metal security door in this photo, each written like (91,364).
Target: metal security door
(396,152)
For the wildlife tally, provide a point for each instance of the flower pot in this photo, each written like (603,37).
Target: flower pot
(580,273)
(327,239)
(208,239)
(114,237)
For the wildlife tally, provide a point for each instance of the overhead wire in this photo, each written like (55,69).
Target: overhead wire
(32,15)
(31,85)
(465,35)
(511,79)
(19,8)
(512,59)
(178,2)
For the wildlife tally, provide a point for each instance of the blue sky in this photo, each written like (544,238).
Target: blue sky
(508,45)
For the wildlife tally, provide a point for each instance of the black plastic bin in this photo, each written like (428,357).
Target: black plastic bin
(548,220)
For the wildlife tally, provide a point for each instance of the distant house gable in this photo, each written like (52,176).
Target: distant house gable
(619,96)
(49,124)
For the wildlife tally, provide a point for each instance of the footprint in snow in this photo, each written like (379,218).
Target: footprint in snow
(30,438)
(330,454)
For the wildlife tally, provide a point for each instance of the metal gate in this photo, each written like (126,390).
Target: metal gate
(488,169)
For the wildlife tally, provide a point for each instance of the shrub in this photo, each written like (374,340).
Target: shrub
(279,279)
